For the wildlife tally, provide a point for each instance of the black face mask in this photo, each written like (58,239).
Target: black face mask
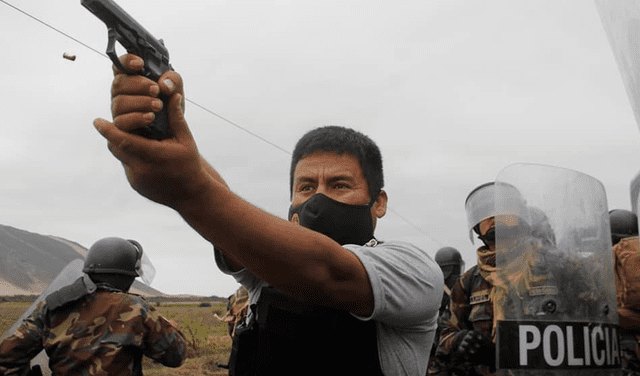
(344,223)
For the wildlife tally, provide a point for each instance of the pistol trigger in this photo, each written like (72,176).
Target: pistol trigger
(111,50)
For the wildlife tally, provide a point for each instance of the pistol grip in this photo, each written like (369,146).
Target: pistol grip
(159,129)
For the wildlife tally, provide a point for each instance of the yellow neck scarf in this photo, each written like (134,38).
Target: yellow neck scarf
(498,294)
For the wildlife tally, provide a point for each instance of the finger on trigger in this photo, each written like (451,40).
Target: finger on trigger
(131,62)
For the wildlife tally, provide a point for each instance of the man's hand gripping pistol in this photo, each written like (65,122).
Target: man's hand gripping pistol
(138,41)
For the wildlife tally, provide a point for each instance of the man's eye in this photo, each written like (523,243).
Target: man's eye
(340,186)
(305,188)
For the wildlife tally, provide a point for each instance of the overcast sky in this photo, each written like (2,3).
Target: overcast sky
(452,91)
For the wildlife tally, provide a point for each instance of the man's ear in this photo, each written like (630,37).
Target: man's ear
(379,207)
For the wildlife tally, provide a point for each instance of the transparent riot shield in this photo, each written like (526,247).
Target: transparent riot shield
(621,22)
(67,276)
(554,295)
(634,188)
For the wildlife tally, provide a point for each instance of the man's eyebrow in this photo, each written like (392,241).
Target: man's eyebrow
(304,179)
(333,179)
(336,178)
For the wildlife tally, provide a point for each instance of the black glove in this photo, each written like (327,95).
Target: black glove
(476,348)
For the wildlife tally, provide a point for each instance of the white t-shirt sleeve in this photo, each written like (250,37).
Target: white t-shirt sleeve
(407,291)
(407,284)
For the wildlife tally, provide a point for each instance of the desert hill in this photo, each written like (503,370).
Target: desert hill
(29,262)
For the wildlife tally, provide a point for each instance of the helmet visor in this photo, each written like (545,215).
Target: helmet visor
(479,206)
(145,269)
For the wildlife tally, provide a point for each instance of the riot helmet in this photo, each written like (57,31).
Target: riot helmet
(449,256)
(480,205)
(541,227)
(114,256)
(624,224)
(451,264)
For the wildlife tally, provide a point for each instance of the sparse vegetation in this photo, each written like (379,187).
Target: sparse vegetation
(10,312)
(19,298)
(209,341)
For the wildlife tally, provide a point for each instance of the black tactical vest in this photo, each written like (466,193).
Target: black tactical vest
(295,338)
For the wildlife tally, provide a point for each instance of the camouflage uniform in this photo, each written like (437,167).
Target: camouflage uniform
(237,310)
(626,266)
(444,315)
(104,333)
(473,312)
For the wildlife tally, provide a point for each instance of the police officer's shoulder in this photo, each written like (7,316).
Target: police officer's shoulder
(466,280)
(461,280)
(630,239)
(131,299)
(138,298)
(471,271)
(134,294)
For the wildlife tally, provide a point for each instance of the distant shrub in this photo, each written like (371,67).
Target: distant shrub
(19,298)
(205,304)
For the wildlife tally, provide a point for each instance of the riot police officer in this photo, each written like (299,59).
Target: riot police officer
(94,326)
(465,341)
(450,261)
(626,252)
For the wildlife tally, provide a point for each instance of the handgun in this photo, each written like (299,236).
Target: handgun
(136,40)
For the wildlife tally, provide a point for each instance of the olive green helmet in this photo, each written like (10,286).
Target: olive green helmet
(114,256)
(449,256)
(624,224)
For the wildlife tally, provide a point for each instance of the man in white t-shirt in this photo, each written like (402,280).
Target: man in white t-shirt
(328,297)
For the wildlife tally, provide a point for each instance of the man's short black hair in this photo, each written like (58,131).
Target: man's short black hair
(341,140)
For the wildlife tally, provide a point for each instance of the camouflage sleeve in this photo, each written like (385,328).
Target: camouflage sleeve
(164,342)
(17,350)
(453,329)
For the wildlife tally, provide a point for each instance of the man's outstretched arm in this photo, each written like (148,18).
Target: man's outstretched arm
(298,261)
